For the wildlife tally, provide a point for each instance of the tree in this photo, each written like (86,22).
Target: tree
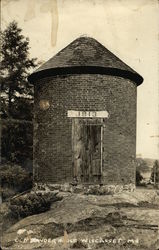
(16,95)
(155,173)
(14,179)
(142,165)
(15,66)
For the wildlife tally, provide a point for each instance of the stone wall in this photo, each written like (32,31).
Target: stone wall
(54,96)
(82,188)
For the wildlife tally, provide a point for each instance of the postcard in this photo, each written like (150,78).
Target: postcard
(79,124)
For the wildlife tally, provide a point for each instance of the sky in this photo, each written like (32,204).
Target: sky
(128,28)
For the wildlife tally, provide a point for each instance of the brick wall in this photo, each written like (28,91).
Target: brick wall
(53,129)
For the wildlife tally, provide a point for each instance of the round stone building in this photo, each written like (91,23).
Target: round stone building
(85,117)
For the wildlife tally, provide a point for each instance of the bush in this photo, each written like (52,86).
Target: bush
(139,178)
(31,203)
(16,141)
(7,193)
(155,173)
(14,179)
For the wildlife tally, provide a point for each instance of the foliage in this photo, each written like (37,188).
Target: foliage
(16,141)
(16,95)
(32,203)
(139,178)
(7,193)
(14,179)
(15,65)
(142,165)
(155,172)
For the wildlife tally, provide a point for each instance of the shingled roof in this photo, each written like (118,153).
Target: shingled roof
(85,55)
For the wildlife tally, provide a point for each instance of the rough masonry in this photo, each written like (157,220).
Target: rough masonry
(85,117)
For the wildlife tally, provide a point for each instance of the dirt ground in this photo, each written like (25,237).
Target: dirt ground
(127,220)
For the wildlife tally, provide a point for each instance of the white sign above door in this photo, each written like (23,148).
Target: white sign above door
(87,114)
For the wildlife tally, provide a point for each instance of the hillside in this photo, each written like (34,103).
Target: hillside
(126,220)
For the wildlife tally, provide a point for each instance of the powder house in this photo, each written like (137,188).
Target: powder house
(85,117)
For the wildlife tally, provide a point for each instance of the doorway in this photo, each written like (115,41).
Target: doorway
(87,151)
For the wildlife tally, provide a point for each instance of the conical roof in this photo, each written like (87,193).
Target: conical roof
(85,55)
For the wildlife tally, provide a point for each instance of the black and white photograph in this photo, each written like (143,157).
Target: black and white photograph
(79,124)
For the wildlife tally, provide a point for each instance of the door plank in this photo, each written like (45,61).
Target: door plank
(87,151)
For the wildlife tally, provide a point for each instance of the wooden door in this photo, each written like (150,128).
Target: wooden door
(87,152)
